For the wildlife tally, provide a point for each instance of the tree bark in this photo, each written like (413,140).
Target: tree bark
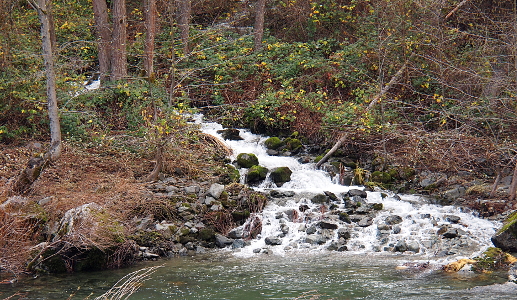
(513,186)
(150,26)
(258,29)
(53,112)
(103,32)
(184,24)
(36,164)
(329,154)
(119,54)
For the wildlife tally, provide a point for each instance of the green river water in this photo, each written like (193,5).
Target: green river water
(323,275)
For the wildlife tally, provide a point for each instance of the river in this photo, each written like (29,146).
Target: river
(370,269)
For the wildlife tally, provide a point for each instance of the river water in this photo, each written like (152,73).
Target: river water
(299,270)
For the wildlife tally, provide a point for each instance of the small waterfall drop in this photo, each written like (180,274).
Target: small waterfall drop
(378,221)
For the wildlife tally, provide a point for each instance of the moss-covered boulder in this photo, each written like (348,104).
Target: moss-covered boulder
(256,174)
(247,160)
(273,143)
(281,175)
(294,145)
(506,237)
(381,177)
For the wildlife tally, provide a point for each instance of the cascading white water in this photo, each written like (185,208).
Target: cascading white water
(293,222)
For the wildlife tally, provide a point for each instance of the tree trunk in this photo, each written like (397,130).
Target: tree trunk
(36,165)
(118,54)
(336,146)
(513,186)
(150,26)
(53,112)
(184,24)
(258,29)
(103,32)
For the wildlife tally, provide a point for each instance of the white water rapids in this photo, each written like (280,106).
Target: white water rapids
(418,229)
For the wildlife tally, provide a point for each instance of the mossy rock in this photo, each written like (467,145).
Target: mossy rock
(228,174)
(281,175)
(350,164)
(359,176)
(256,174)
(406,173)
(377,206)
(506,237)
(382,177)
(206,234)
(493,259)
(394,173)
(247,160)
(92,260)
(229,204)
(294,145)
(318,158)
(51,263)
(343,216)
(273,143)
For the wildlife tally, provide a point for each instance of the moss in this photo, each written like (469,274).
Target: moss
(510,220)
(343,216)
(273,143)
(256,174)
(93,260)
(382,177)
(223,196)
(51,262)
(493,259)
(247,160)
(406,173)
(293,144)
(318,158)
(281,175)
(359,176)
(206,234)
(377,206)
(240,215)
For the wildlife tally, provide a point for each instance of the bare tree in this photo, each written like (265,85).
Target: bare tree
(184,24)
(103,31)
(259,23)
(150,26)
(36,165)
(119,38)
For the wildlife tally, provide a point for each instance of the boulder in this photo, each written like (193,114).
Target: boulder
(247,160)
(320,199)
(221,241)
(273,143)
(271,240)
(315,239)
(232,134)
(356,192)
(393,219)
(281,175)
(256,174)
(216,190)
(506,237)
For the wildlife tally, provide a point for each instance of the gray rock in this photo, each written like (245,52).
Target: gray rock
(216,190)
(311,230)
(236,233)
(193,189)
(231,134)
(512,273)
(221,241)
(356,192)
(452,219)
(413,246)
(320,199)
(506,237)
(454,193)
(271,240)
(237,244)
(393,219)
(365,222)
(451,233)
(315,239)
(401,246)
(396,229)
(209,200)
(45,200)
(343,233)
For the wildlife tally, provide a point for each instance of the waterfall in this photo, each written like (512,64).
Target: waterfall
(354,220)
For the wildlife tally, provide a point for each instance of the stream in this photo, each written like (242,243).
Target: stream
(294,268)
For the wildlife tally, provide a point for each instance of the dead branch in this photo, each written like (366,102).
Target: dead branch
(336,146)
(456,9)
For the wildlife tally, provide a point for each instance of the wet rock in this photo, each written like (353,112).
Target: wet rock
(271,240)
(221,241)
(452,219)
(332,196)
(343,216)
(311,230)
(393,219)
(362,210)
(247,160)
(451,233)
(303,207)
(320,199)
(237,244)
(383,227)
(281,175)
(284,228)
(292,214)
(452,194)
(343,233)
(413,246)
(256,174)
(236,233)
(327,225)
(231,134)
(315,239)
(506,237)
(512,273)
(396,229)
(401,246)
(377,206)
(273,143)
(356,192)
(365,222)
(281,194)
